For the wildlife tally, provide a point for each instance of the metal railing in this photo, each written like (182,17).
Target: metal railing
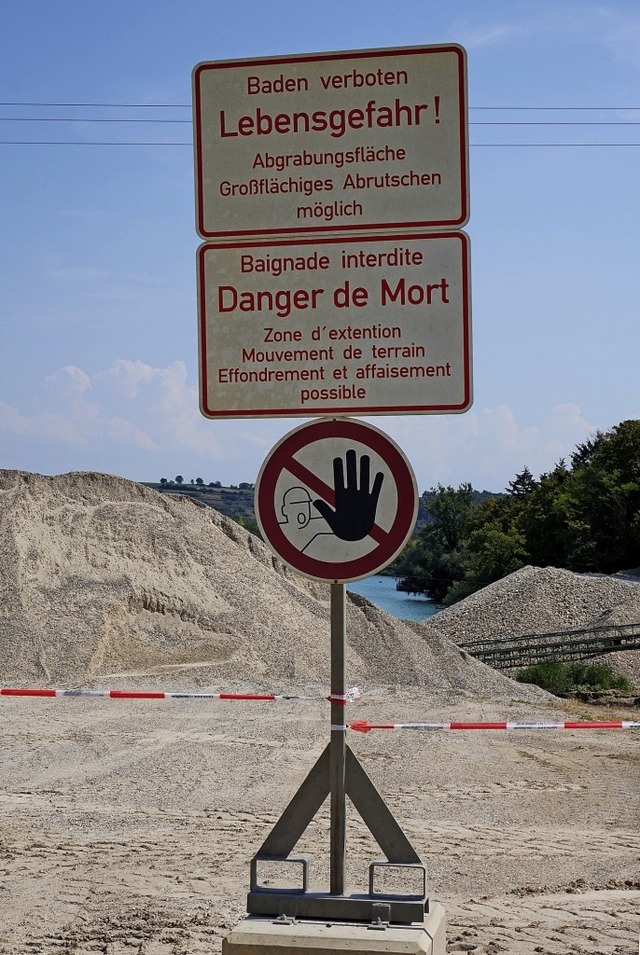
(504,653)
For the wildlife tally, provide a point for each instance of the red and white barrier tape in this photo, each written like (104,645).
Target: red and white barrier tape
(363,726)
(351,696)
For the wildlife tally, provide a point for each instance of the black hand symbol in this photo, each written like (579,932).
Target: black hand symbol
(355,511)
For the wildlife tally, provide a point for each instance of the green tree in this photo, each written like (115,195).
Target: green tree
(522,484)
(432,564)
(450,510)
(606,498)
(584,452)
(493,548)
(588,519)
(584,518)
(544,520)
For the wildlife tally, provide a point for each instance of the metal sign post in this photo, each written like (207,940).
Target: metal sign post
(337,753)
(336,499)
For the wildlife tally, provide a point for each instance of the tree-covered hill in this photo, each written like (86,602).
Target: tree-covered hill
(234,502)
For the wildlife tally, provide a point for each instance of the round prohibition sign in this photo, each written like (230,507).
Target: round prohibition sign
(336,499)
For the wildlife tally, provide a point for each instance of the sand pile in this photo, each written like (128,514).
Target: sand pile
(101,577)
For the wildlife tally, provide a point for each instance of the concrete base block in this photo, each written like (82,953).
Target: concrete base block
(266,936)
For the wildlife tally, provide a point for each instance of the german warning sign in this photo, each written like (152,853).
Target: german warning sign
(336,500)
(318,143)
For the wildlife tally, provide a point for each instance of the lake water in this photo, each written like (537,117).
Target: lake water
(382,592)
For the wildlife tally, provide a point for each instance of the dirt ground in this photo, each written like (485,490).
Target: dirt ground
(128,827)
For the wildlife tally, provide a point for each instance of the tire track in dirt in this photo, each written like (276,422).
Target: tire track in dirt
(604,922)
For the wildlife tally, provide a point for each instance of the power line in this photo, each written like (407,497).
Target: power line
(544,145)
(90,119)
(106,105)
(535,123)
(188,106)
(164,120)
(567,108)
(80,142)
(172,121)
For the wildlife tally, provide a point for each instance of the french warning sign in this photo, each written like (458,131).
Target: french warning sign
(336,500)
(328,142)
(369,325)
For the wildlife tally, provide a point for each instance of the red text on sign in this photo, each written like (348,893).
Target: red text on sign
(335,121)
(283,302)
(404,294)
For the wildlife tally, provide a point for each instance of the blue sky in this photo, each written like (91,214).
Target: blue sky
(98,345)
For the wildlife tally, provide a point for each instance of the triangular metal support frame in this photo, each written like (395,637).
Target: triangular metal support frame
(292,824)
(337,774)
(366,799)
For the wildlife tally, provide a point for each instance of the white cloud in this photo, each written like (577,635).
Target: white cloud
(43,426)
(476,37)
(11,421)
(616,25)
(69,380)
(133,419)
(486,446)
(125,432)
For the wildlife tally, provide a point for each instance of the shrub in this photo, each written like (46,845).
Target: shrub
(564,678)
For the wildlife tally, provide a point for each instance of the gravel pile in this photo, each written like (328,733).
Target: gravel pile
(105,581)
(542,600)
(539,600)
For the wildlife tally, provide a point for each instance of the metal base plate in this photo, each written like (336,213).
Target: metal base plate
(348,908)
